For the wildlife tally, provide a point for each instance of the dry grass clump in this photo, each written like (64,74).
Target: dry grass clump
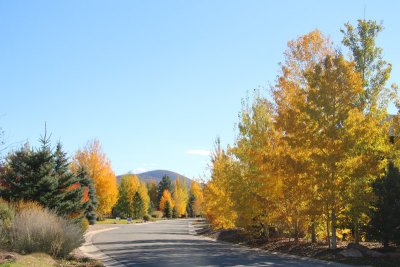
(36,229)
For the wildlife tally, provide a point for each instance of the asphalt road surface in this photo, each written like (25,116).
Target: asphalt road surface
(171,243)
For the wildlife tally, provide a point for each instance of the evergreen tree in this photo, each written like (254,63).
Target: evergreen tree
(43,176)
(151,207)
(91,198)
(189,207)
(168,210)
(165,184)
(123,208)
(174,212)
(92,205)
(385,220)
(138,206)
(69,193)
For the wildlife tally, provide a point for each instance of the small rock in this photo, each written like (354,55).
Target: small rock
(9,257)
(359,247)
(351,252)
(374,253)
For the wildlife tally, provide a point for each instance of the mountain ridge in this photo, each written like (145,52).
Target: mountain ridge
(157,175)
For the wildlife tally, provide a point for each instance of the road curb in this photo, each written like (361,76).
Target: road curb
(278,254)
(92,251)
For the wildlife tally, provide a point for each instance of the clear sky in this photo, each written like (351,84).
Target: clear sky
(154,80)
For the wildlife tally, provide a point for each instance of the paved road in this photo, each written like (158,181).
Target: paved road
(170,243)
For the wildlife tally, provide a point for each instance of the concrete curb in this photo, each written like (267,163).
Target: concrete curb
(278,254)
(92,251)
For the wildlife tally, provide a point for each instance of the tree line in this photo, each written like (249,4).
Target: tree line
(85,186)
(317,157)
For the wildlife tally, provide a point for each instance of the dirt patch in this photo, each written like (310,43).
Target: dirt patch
(6,256)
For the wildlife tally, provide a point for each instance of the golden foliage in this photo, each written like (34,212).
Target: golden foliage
(99,169)
(166,197)
(180,197)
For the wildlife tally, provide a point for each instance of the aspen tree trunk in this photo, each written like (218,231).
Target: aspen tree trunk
(356,233)
(296,230)
(328,238)
(313,237)
(334,245)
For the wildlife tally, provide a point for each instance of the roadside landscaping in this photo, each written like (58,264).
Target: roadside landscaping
(367,253)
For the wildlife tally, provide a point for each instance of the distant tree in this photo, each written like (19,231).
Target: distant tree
(189,207)
(139,209)
(385,212)
(166,198)
(174,212)
(165,184)
(197,200)
(151,207)
(180,197)
(144,194)
(153,193)
(127,188)
(168,210)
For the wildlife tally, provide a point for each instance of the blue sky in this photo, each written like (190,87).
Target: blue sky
(155,81)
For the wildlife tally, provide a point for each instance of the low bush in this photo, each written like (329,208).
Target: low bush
(157,214)
(6,213)
(146,218)
(35,229)
(84,224)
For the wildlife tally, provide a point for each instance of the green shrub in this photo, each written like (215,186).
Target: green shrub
(157,214)
(146,218)
(35,229)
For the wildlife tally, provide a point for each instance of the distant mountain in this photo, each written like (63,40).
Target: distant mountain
(157,176)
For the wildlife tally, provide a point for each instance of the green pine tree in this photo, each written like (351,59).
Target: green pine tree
(385,212)
(91,204)
(123,208)
(189,206)
(168,210)
(138,206)
(164,184)
(151,207)
(42,176)
(68,196)
(174,212)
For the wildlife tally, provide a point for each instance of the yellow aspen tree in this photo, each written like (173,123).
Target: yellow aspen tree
(153,192)
(99,168)
(299,199)
(334,88)
(258,187)
(196,190)
(144,194)
(219,206)
(164,198)
(180,197)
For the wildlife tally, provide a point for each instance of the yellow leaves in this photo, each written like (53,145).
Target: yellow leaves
(166,197)
(153,192)
(99,169)
(313,148)
(197,192)
(144,194)
(180,197)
